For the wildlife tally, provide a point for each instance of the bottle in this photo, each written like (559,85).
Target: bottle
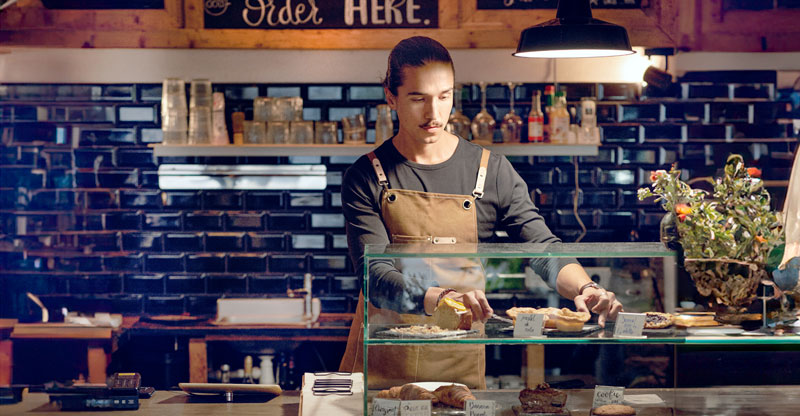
(559,119)
(549,101)
(248,369)
(267,372)
(225,376)
(291,382)
(536,120)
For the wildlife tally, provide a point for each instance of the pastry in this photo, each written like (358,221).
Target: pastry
(569,321)
(454,395)
(415,392)
(614,410)
(686,320)
(452,314)
(391,393)
(658,320)
(513,312)
(543,399)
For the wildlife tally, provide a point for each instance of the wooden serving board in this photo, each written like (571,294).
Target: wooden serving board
(222,388)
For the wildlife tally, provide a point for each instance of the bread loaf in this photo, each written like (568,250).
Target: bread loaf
(451,314)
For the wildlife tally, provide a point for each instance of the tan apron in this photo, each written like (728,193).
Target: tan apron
(434,221)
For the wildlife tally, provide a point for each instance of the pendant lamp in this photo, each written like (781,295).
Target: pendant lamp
(573,34)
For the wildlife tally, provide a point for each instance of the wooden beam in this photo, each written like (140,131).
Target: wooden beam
(198,360)
(96,362)
(533,365)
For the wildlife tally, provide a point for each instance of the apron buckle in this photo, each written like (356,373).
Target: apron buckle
(444,240)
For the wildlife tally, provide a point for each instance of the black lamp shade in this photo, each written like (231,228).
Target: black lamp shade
(573,34)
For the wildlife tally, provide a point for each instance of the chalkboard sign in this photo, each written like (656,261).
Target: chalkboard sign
(320,14)
(553,4)
(103,4)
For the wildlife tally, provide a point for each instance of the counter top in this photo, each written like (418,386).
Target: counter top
(330,327)
(738,400)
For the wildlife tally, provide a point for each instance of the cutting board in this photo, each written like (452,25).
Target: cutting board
(222,388)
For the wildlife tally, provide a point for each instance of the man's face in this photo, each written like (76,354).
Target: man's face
(423,102)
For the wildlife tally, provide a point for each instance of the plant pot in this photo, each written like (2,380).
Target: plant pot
(731,282)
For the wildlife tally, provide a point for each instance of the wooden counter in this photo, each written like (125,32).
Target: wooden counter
(740,401)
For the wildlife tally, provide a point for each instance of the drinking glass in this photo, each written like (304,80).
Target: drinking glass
(458,123)
(285,109)
(277,132)
(511,127)
(326,132)
(262,108)
(174,121)
(301,132)
(255,132)
(200,93)
(483,123)
(200,125)
(220,130)
(354,129)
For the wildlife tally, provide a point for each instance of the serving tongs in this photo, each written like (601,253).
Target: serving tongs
(502,319)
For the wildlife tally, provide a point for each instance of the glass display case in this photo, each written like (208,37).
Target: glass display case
(400,339)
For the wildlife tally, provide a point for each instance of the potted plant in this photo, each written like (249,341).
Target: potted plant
(726,234)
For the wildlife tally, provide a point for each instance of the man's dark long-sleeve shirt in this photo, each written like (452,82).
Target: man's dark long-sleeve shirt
(505,205)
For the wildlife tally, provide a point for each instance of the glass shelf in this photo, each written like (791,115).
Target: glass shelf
(201,150)
(518,250)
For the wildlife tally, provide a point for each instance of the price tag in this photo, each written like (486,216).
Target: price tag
(480,407)
(528,325)
(415,408)
(604,395)
(385,407)
(629,325)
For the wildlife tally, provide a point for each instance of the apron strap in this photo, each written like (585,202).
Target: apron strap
(478,191)
(376,164)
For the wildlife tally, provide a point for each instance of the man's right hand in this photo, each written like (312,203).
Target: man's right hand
(474,300)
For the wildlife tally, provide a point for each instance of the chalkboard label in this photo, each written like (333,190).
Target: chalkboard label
(320,14)
(415,408)
(480,407)
(629,325)
(385,407)
(528,325)
(604,395)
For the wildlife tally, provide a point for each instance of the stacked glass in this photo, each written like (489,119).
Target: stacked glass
(384,127)
(200,102)
(173,111)
(354,129)
(220,130)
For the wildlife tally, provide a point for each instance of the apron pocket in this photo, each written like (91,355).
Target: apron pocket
(410,239)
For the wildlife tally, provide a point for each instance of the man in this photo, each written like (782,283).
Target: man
(429,187)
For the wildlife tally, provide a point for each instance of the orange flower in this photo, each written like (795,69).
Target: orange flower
(754,172)
(682,210)
(761,239)
(654,174)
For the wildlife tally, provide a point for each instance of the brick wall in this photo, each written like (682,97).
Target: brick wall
(84,225)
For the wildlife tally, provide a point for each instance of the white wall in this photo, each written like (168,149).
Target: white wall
(280,66)
(285,66)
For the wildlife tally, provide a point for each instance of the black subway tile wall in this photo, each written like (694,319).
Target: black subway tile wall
(84,224)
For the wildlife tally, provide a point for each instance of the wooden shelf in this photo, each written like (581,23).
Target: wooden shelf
(541,149)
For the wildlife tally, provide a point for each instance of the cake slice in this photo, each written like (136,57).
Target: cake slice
(543,399)
(451,314)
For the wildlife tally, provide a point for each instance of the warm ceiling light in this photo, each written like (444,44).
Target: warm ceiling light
(573,34)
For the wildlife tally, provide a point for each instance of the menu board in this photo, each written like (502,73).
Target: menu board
(102,4)
(553,4)
(320,14)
